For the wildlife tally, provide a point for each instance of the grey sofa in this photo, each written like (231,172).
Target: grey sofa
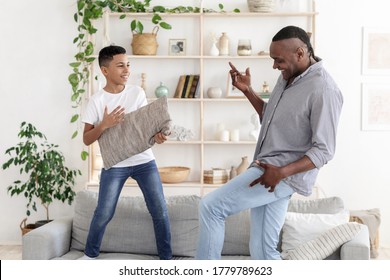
(130,233)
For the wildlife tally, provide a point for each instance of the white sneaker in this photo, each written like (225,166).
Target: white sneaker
(85,257)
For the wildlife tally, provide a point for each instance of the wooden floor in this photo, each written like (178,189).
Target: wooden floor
(14,252)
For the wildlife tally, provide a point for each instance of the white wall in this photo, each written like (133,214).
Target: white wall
(36,47)
(35,51)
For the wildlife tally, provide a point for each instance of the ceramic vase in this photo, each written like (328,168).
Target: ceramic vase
(233,172)
(243,165)
(161,90)
(214,51)
(223,44)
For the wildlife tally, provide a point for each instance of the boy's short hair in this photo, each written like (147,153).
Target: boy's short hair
(106,54)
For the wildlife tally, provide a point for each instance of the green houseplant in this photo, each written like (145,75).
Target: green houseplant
(48,178)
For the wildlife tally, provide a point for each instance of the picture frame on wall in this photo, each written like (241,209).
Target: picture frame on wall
(232,91)
(376,51)
(375,106)
(177,46)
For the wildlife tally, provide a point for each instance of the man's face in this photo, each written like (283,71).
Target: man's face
(118,70)
(286,59)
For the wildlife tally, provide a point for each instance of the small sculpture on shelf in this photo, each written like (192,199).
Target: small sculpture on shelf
(254,134)
(265,91)
(143,81)
(180,133)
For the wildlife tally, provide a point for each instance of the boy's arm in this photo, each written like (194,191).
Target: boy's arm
(92,133)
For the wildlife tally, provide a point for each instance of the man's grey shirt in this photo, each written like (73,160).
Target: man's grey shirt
(301,119)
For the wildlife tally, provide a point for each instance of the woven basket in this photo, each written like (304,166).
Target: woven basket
(26,227)
(145,43)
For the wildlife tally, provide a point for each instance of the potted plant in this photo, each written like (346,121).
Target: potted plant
(146,43)
(48,178)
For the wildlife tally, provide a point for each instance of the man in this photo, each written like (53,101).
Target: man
(297,137)
(106,109)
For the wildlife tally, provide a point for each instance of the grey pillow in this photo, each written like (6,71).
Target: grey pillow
(135,134)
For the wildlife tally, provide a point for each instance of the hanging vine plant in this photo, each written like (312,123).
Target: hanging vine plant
(90,10)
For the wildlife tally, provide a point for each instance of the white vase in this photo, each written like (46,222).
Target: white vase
(214,50)
(223,44)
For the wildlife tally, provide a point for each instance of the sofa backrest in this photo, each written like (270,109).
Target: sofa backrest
(131,229)
(327,205)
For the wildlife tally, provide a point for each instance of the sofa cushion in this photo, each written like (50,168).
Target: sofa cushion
(131,229)
(299,228)
(237,231)
(325,244)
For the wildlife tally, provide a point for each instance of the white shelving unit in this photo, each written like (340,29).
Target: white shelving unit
(202,114)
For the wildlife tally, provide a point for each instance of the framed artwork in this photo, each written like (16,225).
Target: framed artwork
(376,51)
(376,106)
(231,91)
(177,46)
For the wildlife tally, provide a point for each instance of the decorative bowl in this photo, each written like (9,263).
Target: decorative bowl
(173,174)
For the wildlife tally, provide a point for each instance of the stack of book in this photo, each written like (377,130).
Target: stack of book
(215,176)
(187,87)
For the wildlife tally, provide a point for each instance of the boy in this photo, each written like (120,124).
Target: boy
(106,109)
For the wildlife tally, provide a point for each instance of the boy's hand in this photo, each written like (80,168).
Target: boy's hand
(115,117)
(160,138)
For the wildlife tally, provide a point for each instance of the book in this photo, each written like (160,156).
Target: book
(194,86)
(180,85)
(190,80)
(183,93)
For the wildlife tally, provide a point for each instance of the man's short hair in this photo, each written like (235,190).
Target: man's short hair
(290,32)
(106,54)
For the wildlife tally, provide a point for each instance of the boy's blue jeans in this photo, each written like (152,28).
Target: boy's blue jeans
(111,184)
(268,210)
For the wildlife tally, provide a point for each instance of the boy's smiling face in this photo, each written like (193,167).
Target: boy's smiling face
(117,72)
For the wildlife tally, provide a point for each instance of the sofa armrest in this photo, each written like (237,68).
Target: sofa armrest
(48,241)
(357,248)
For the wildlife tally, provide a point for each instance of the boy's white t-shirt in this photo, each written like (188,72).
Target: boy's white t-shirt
(131,98)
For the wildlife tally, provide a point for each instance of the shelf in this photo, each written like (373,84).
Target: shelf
(203,114)
(220,14)
(214,142)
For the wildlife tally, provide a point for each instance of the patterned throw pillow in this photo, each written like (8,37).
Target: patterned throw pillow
(324,245)
(299,228)
(135,134)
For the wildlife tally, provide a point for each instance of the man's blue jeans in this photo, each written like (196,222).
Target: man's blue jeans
(111,184)
(268,210)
